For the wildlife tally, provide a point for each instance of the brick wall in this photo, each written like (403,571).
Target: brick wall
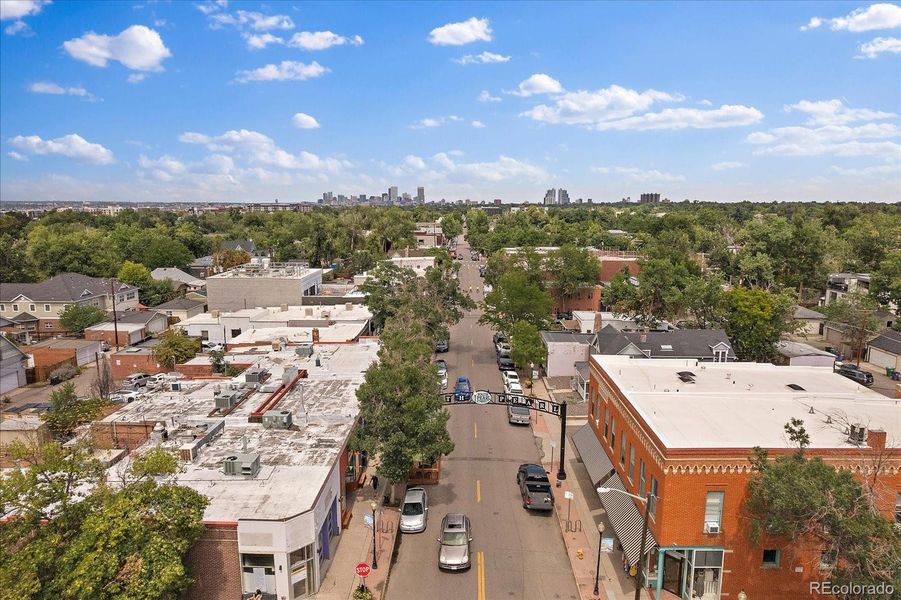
(120,435)
(44,357)
(123,364)
(214,564)
(110,336)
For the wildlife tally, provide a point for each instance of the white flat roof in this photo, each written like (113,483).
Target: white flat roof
(129,327)
(743,405)
(338,332)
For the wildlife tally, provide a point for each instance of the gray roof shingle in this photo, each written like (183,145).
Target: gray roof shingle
(65,287)
(888,341)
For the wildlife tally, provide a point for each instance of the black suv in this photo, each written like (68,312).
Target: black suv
(853,373)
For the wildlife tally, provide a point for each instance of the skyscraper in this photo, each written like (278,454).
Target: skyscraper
(562,197)
(392,194)
(550,197)
(420,195)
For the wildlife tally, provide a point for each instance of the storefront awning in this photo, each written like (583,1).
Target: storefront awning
(593,456)
(627,521)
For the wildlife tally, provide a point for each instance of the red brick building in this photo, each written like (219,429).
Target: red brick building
(683,431)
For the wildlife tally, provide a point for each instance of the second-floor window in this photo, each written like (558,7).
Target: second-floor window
(632,461)
(622,447)
(32,308)
(653,500)
(46,308)
(606,422)
(613,434)
(713,512)
(15,308)
(641,479)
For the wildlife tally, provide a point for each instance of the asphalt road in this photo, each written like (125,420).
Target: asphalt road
(516,554)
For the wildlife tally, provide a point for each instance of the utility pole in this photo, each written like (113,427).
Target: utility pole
(112,292)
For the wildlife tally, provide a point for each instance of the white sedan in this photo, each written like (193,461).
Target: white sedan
(513,387)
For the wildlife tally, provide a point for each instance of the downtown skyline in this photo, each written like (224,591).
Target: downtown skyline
(216,101)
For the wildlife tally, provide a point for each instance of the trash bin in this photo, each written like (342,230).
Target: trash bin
(889,371)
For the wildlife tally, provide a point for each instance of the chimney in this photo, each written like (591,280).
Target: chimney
(214,314)
(308,312)
(284,307)
(644,336)
(876,439)
(349,306)
(315,335)
(598,322)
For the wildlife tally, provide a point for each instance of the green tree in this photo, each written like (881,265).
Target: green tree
(75,318)
(451,226)
(658,295)
(513,299)
(705,301)
(124,542)
(217,360)
(792,498)
(175,347)
(153,292)
(885,286)
(855,316)
(526,346)
(571,270)
(67,411)
(160,250)
(755,321)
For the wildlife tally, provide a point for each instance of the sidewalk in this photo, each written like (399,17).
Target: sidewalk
(584,511)
(356,546)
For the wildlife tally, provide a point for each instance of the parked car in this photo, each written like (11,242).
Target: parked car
(535,487)
(510,376)
(859,375)
(442,346)
(463,389)
(454,543)
(136,380)
(498,338)
(104,346)
(415,511)
(482,270)
(124,396)
(505,363)
(513,387)
(517,414)
(503,349)
(442,372)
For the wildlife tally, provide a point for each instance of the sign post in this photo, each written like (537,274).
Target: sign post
(569,504)
(363,570)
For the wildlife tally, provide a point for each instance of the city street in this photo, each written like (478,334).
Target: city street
(516,554)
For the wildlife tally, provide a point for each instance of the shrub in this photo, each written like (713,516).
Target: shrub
(64,373)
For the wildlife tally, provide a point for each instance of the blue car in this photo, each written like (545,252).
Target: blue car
(462,389)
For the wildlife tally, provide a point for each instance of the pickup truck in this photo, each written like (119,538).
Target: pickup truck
(535,487)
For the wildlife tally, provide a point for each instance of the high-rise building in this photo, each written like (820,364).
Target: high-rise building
(406,197)
(562,197)
(392,194)
(420,195)
(327,197)
(649,199)
(550,197)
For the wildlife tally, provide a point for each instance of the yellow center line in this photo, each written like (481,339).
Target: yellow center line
(478,490)
(481,575)
(475,430)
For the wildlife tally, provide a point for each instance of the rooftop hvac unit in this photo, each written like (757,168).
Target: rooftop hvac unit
(256,375)
(304,350)
(857,434)
(277,419)
(289,374)
(175,386)
(241,464)
(228,400)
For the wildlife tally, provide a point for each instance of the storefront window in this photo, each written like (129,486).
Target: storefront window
(258,572)
(302,572)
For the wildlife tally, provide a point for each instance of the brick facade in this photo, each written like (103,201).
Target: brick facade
(123,364)
(686,476)
(214,564)
(125,338)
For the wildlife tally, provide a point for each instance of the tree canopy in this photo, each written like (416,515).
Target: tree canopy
(78,317)
(175,347)
(513,299)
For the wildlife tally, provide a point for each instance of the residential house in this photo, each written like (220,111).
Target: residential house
(564,350)
(262,283)
(885,350)
(247,246)
(180,309)
(38,305)
(839,284)
(812,322)
(12,366)
(202,267)
(417,264)
(680,433)
(799,354)
(428,235)
(706,345)
(181,282)
(132,327)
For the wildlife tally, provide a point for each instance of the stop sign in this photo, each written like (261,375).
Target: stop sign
(363,570)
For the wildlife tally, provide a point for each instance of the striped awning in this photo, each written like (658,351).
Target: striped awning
(626,519)
(592,454)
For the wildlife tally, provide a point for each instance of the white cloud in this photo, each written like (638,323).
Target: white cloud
(322,40)
(210,7)
(71,146)
(432,122)
(539,83)
(834,112)
(137,77)
(165,168)
(641,175)
(483,58)
(879,45)
(16,27)
(262,150)
(287,70)
(16,156)
(486,96)
(892,169)
(705,102)
(873,17)
(49,87)
(726,165)
(138,47)
(304,121)
(504,168)
(689,118)
(415,162)
(464,32)
(478,124)
(253,20)
(16,9)
(258,41)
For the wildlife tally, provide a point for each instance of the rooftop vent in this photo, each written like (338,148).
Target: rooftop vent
(241,464)
(857,434)
(256,375)
(277,419)
(666,347)
(796,387)
(686,376)
(224,401)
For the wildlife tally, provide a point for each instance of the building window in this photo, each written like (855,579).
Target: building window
(235,332)
(32,308)
(606,422)
(258,572)
(641,479)
(2,308)
(48,325)
(302,571)
(713,512)
(622,447)
(632,461)
(204,334)
(46,308)
(653,498)
(130,296)
(770,559)
(15,308)
(613,434)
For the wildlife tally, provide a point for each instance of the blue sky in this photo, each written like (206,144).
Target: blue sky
(239,101)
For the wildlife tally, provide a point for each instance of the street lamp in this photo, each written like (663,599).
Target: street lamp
(375,562)
(644,531)
(597,570)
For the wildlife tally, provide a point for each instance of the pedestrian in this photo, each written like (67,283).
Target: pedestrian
(257,595)
(375,483)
